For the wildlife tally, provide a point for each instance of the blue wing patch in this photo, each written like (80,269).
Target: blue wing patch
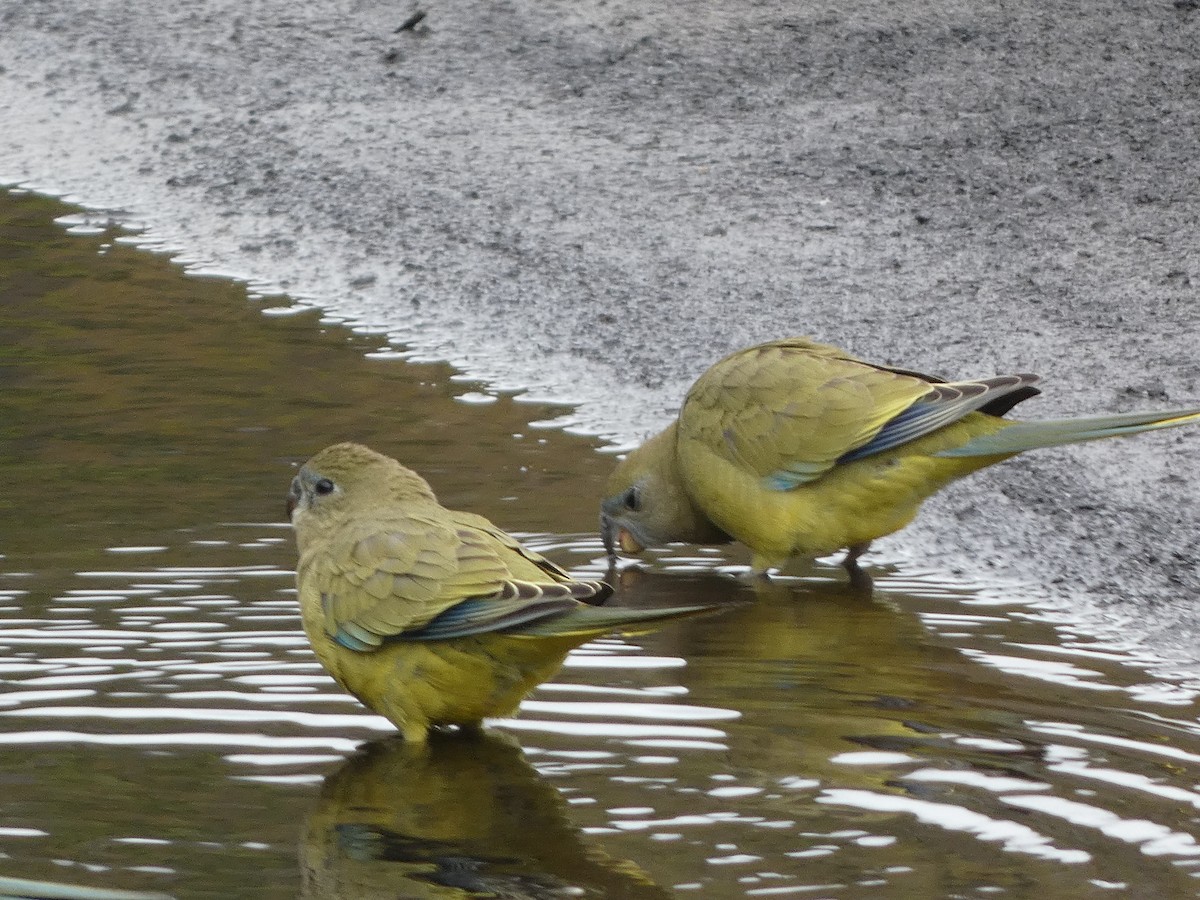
(487,614)
(945,404)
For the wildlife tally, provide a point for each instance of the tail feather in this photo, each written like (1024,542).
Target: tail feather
(1022,436)
(597,620)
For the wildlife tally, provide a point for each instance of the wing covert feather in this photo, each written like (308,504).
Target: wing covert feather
(538,567)
(391,576)
(404,579)
(789,410)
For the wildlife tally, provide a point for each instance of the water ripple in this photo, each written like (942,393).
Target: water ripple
(1012,835)
(638,736)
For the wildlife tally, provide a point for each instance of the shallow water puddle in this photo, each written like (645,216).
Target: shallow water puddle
(163,724)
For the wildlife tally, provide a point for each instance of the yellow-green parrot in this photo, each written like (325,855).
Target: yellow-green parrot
(798,449)
(431,616)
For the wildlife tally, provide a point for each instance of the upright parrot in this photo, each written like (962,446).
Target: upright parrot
(431,616)
(798,449)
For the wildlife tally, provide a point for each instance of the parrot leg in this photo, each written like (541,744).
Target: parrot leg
(760,567)
(413,733)
(859,580)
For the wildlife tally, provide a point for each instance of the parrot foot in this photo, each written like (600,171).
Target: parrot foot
(859,579)
(760,569)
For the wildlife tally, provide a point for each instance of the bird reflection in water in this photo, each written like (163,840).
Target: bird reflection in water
(817,668)
(465,816)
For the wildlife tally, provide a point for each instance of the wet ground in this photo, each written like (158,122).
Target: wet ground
(163,724)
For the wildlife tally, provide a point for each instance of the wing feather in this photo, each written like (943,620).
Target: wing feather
(534,565)
(437,574)
(943,405)
(789,411)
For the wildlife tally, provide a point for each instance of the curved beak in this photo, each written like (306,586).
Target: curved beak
(293,497)
(614,536)
(606,535)
(628,542)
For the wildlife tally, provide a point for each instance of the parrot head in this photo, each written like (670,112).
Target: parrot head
(646,503)
(346,478)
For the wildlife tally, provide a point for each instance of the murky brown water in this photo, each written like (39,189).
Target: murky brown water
(163,724)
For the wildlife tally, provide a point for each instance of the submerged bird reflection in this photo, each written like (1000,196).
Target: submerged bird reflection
(465,816)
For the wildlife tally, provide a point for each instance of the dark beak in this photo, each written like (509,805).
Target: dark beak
(606,535)
(293,497)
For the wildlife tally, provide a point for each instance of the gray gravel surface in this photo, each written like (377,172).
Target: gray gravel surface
(595,200)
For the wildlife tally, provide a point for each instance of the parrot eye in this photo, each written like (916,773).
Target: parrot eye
(323,487)
(632,500)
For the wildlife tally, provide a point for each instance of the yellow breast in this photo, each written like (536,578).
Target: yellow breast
(416,685)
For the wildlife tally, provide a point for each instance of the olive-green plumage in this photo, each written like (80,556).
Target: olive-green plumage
(428,615)
(798,449)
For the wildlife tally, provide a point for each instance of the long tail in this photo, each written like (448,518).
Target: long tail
(597,620)
(1050,433)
